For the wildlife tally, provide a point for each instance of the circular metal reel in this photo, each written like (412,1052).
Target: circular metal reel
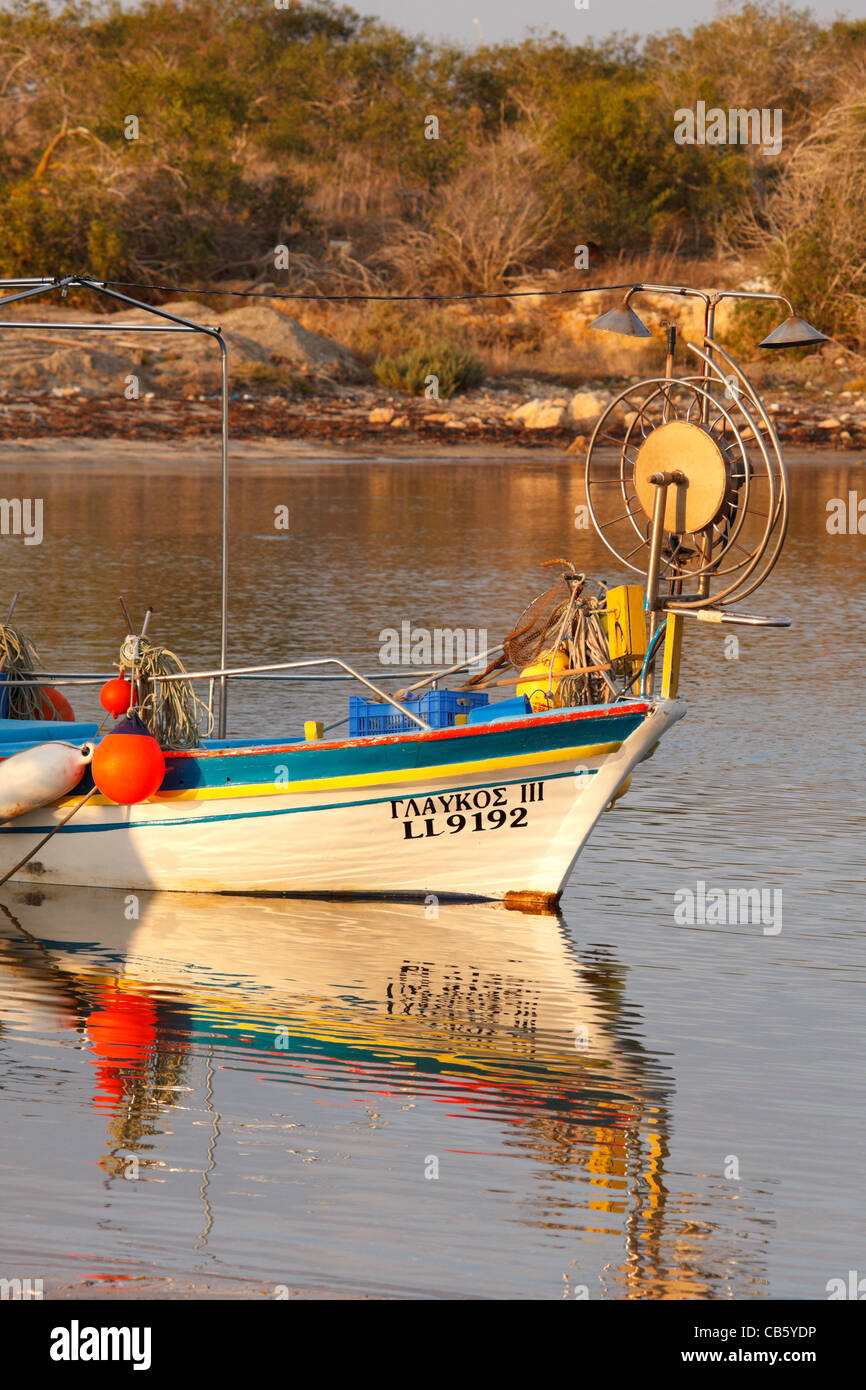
(730,510)
(764,432)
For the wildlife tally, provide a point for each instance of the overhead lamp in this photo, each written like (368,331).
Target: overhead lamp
(794,332)
(623,320)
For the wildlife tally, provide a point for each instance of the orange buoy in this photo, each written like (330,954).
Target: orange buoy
(128,765)
(121,1030)
(52,699)
(117,696)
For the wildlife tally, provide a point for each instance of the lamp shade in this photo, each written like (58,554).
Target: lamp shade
(623,320)
(794,332)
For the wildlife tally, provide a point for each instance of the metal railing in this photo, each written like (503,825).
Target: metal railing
(31,288)
(273,671)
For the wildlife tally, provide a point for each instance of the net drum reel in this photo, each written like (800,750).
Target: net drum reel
(698,498)
(685,479)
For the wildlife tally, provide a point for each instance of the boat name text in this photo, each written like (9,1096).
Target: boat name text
(488,808)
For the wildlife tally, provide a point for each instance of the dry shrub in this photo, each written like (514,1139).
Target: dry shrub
(398,327)
(484,227)
(811,232)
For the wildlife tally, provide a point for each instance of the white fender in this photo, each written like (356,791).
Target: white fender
(39,775)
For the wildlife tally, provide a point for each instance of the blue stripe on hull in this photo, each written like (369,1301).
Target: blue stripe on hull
(151,823)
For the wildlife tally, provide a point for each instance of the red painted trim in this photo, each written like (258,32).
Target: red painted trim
(460,731)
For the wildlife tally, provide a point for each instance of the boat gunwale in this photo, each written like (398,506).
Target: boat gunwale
(421,736)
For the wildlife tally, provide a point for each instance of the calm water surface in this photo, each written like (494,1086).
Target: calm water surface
(224,1094)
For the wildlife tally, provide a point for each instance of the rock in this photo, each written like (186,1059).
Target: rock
(585,407)
(541,415)
(578,444)
(455,425)
(400,422)
(382,415)
(831,423)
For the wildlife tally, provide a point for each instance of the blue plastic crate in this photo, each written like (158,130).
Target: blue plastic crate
(438,707)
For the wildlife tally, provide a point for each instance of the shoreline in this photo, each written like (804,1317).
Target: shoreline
(343,423)
(48,450)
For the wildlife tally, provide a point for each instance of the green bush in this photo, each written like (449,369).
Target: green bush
(262,376)
(454,368)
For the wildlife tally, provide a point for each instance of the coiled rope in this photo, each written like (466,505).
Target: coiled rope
(171,710)
(20,659)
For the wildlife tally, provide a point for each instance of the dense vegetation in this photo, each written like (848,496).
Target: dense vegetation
(308,127)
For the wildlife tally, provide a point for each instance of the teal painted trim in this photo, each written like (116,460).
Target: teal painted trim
(306,763)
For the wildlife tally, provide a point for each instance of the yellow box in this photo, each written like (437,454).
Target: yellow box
(671,664)
(626,625)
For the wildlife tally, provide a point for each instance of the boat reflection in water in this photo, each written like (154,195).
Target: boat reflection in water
(491,1011)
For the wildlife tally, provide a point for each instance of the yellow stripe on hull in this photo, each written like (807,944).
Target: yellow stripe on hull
(371,779)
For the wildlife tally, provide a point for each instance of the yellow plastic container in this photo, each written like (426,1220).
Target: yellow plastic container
(536,681)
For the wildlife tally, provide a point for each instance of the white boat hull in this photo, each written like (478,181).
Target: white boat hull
(513,828)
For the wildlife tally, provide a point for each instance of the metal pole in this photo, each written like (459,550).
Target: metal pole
(669,366)
(39,287)
(705,538)
(662,481)
(48,281)
(224,552)
(709,326)
(101,288)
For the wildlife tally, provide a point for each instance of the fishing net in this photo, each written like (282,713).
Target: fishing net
(566,617)
(171,709)
(19,660)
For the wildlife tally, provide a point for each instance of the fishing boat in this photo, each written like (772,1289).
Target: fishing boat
(443,794)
